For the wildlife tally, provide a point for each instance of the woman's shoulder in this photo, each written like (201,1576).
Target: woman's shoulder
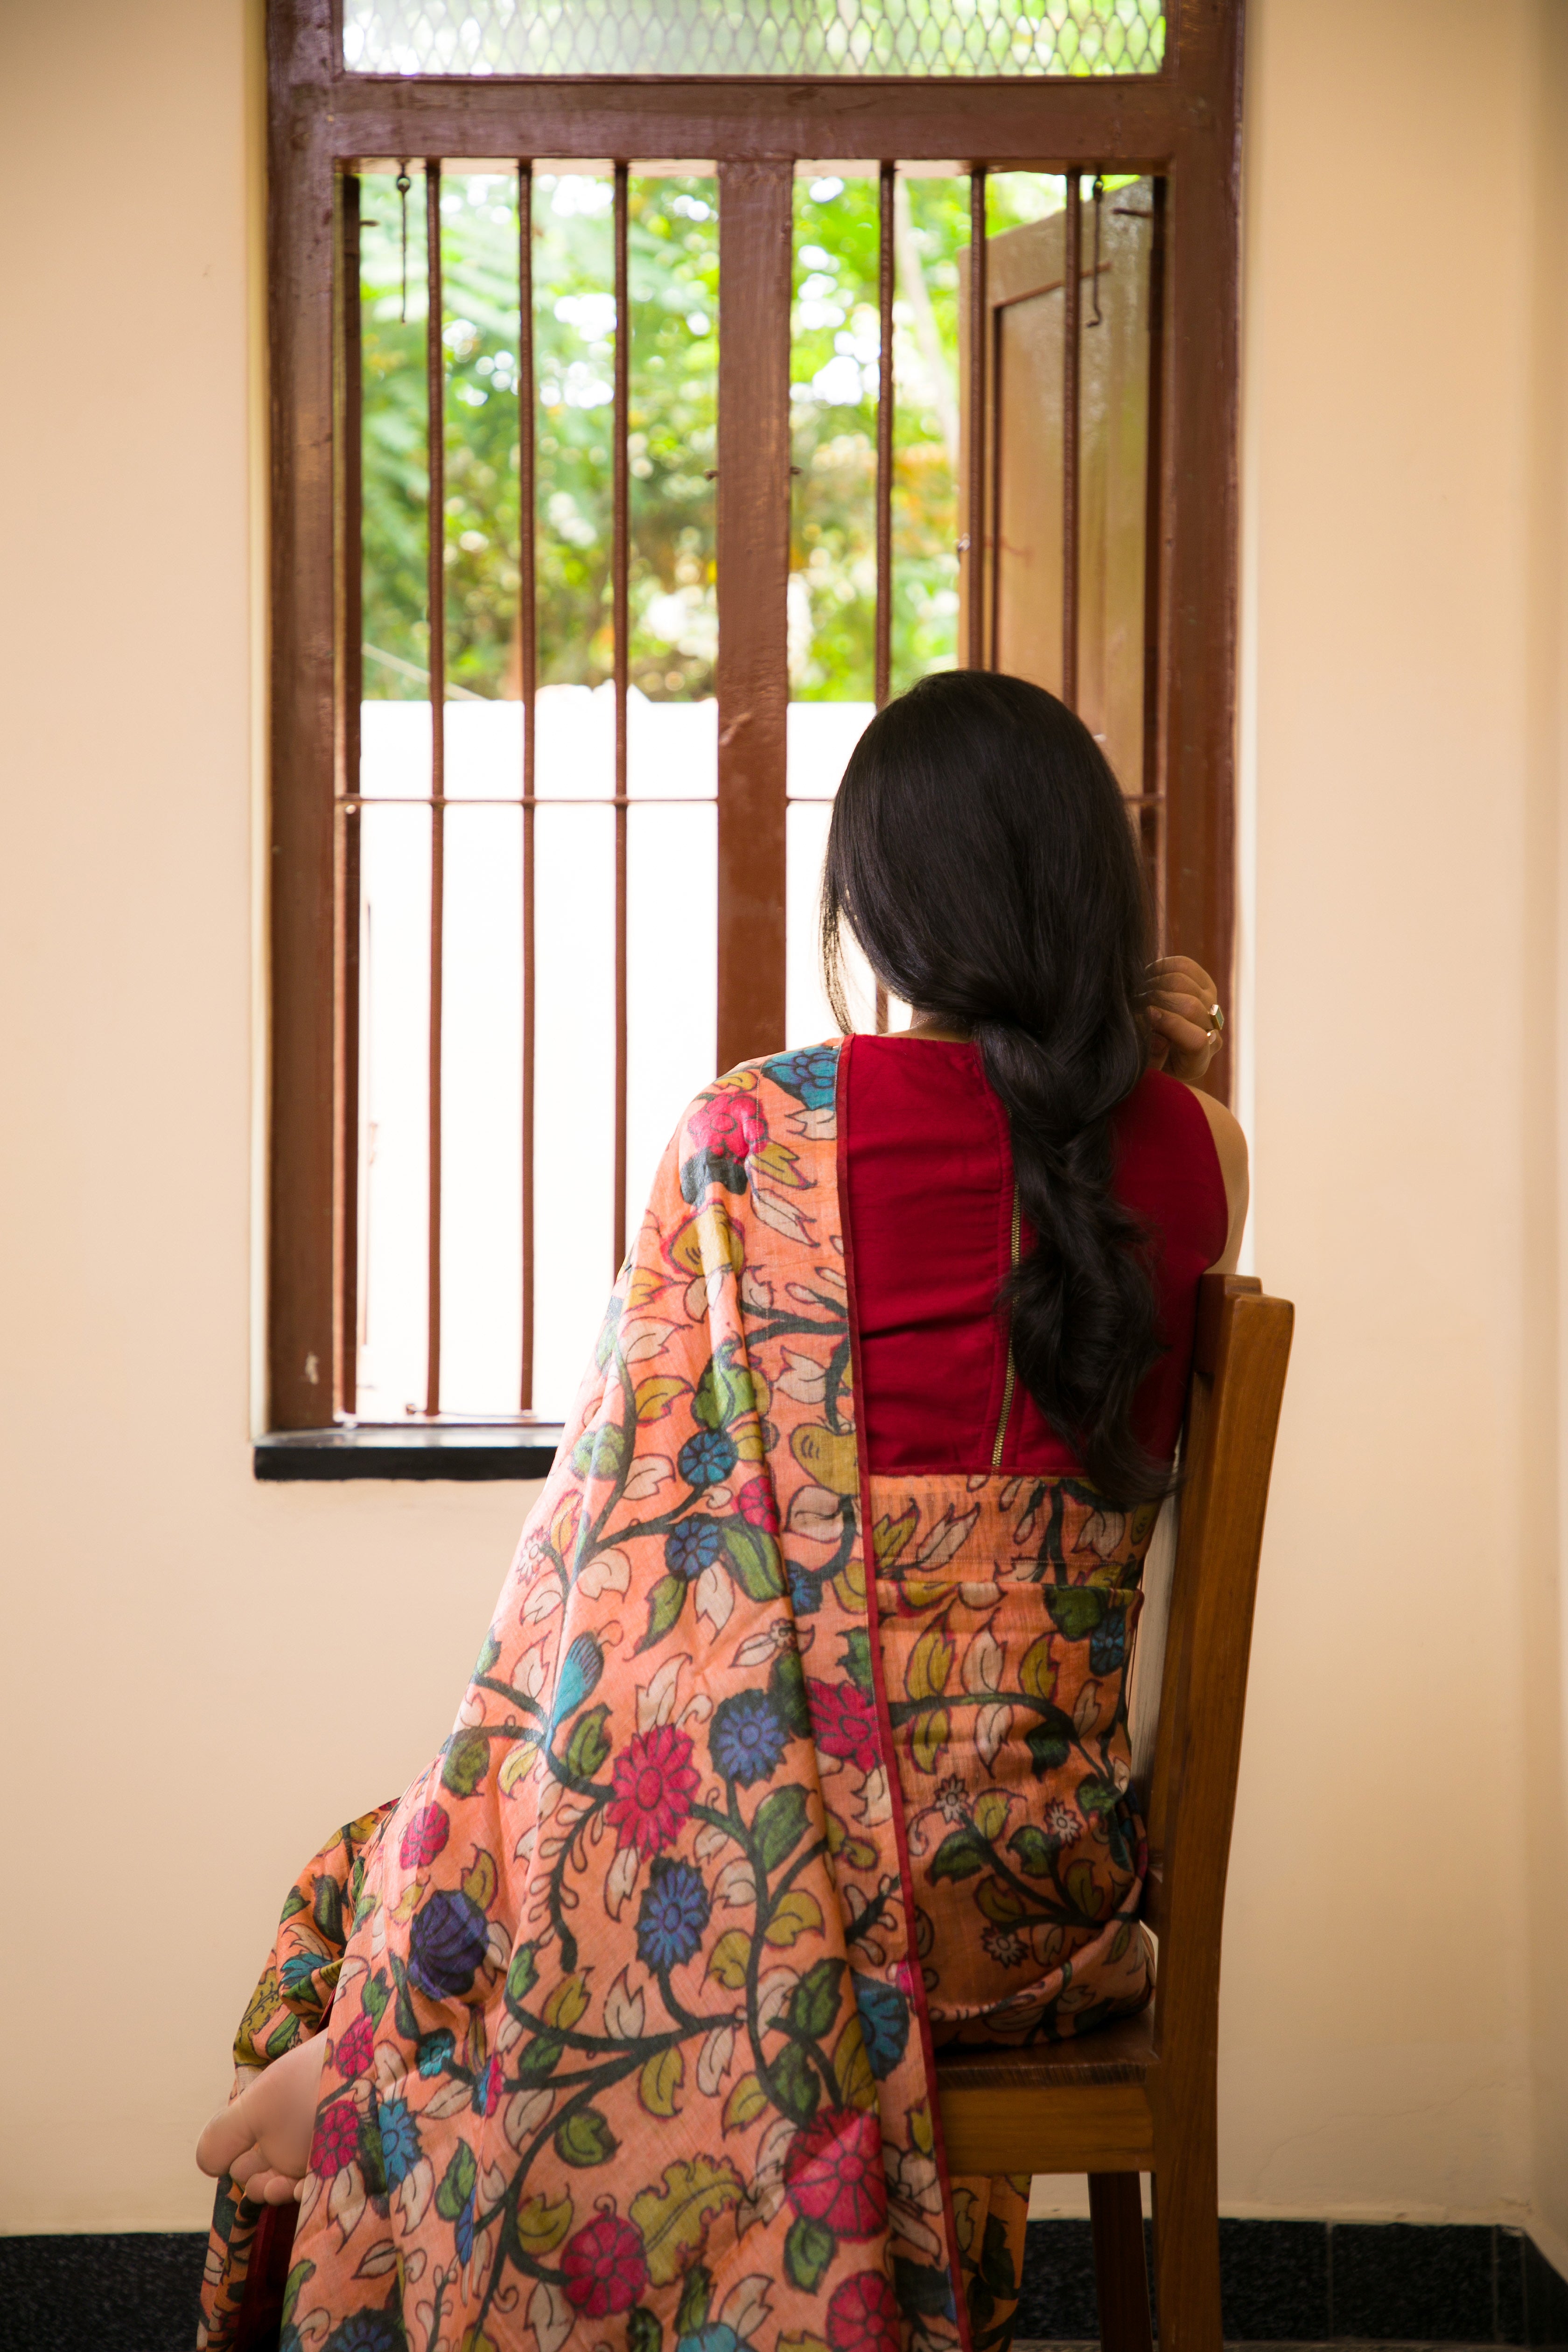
(1168,1129)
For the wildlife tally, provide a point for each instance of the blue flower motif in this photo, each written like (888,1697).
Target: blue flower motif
(367,2331)
(674,1913)
(1108,1642)
(435,2054)
(465,2228)
(708,1457)
(716,2337)
(446,1944)
(811,1076)
(693,1546)
(805,1590)
(400,2149)
(884,2024)
(748,1739)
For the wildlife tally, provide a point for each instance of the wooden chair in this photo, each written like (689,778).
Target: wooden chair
(1140,2095)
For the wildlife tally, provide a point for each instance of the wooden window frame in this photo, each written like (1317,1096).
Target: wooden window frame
(1181,125)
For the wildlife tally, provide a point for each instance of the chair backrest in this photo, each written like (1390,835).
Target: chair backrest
(1243,1346)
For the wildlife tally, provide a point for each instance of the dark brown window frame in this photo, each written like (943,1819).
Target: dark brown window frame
(1181,125)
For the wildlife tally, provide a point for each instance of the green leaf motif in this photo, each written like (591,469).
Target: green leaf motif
(611,1448)
(1074,1609)
(644,2333)
(724,1392)
(585,2138)
(292,1908)
(583,1454)
(521,1976)
(858,1659)
(466,1762)
(489,1651)
(959,1855)
(457,2182)
(407,2023)
(755,1561)
(780,1825)
(1034,1851)
(589,1744)
(922,2289)
(814,2003)
(327,1910)
(540,2060)
(665,1604)
(1097,1796)
(786,1688)
(298,2277)
(1049,1741)
(283,2037)
(372,2161)
(696,2295)
(796,2083)
(604,1345)
(375,1997)
(808,2250)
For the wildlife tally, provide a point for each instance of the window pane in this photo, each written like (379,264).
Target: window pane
(787,36)
(481,1111)
(394,1077)
(573,1062)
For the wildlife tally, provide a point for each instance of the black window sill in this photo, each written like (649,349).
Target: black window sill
(419,1450)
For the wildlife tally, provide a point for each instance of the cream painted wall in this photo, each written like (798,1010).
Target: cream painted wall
(204,1674)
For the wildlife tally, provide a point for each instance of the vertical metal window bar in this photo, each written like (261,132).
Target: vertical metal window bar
(1152,782)
(528,646)
(620,564)
(1072,304)
(435,592)
(884,645)
(978,336)
(346,844)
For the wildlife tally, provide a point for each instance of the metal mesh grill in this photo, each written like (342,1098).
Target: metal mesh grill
(754,37)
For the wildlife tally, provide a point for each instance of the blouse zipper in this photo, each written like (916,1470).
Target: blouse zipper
(1011,1373)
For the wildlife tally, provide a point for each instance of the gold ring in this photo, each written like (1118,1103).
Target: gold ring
(1216,1019)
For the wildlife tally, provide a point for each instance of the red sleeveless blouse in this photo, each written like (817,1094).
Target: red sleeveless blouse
(929,1170)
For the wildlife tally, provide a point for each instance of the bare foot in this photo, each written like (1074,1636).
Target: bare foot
(262,2139)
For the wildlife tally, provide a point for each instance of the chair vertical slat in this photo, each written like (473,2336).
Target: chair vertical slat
(979,335)
(620,574)
(350,409)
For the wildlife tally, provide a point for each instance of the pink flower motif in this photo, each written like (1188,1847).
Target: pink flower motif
(336,2144)
(1004,1948)
(758,1506)
(833,2173)
(1059,1822)
(845,1723)
(655,1783)
(727,1127)
(863,2316)
(604,2268)
(355,2049)
(424,1837)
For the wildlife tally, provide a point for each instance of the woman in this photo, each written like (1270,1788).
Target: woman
(798,1743)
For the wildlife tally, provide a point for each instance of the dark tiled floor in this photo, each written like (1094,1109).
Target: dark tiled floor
(132,2293)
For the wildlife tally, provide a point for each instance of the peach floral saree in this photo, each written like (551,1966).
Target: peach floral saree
(631,1998)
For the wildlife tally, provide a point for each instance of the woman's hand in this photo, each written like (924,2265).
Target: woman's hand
(1182,1015)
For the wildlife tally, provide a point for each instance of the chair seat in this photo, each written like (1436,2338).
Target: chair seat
(1061,2106)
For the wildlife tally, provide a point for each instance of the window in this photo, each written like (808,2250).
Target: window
(726,440)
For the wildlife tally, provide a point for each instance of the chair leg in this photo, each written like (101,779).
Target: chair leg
(1121,2274)
(1186,2246)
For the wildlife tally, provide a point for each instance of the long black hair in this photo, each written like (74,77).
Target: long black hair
(981,855)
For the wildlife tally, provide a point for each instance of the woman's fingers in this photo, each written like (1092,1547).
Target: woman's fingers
(228,2139)
(1185,1023)
(1180,974)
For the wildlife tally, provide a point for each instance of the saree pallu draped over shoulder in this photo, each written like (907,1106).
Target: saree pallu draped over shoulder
(631,1998)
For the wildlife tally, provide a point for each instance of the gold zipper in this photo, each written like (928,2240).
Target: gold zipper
(1011,1373)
